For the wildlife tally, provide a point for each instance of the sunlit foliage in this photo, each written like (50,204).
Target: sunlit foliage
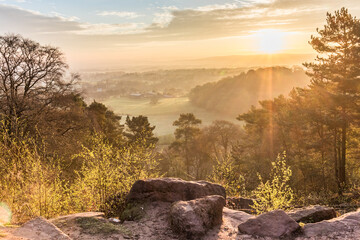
(274,193)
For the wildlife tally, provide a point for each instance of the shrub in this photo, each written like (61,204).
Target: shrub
(225,174)
(274,193)
(30,180)
(109,171)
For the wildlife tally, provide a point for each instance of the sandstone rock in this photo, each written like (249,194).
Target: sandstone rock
(194,218)
(239,203)
(238,216)
(272,224)
(172,190)
(346,223)
(312,214)
(40,229)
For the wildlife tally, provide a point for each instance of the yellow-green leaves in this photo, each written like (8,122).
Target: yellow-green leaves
(274,193)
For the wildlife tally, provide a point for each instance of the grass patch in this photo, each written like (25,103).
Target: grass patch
(132,212)
(91,225)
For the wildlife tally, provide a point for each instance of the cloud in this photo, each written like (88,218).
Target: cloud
(112,29)
(174,24)
(216,21)
(162,19)
(217,7)
(14,19)
(17,20)
(129,15)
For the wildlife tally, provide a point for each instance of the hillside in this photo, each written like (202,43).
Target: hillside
(264,60)
(234,95)
(176,82)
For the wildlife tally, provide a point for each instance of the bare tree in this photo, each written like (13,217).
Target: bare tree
(31,79)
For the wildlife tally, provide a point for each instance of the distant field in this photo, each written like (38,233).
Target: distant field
(164,113)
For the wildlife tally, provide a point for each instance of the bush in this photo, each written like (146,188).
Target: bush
(114,205)
(224,173)
(274,193)
(109,171)
(30,180)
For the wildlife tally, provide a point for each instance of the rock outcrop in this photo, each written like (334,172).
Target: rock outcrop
(312,214)
(40,229)
(343,225)
(273,224)
(174,209)
(172,190)
(192,219)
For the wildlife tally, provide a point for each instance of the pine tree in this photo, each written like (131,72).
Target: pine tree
(335,75)
(139,129)
(187,130)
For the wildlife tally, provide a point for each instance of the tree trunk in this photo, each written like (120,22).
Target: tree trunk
(343,156)
(336,161)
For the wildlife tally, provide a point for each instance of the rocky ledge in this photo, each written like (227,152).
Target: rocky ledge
(174,209)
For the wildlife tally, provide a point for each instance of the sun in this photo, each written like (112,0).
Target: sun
(270,40)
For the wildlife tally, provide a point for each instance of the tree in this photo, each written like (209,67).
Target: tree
(187,130)
(222,136)
(106,122)
(335,74)
(31,79)
(138,129)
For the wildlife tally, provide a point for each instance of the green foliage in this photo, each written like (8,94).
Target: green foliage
(138,129)
(31,182)
(107,171)
(185,134)
(114,205)
(274,193)
(225,173)
(106,122)
(187,127)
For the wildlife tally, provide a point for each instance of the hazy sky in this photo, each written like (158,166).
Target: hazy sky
(107,33)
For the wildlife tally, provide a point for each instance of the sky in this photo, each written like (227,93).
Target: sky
(112,33)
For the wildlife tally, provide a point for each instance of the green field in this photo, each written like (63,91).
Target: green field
(164,113)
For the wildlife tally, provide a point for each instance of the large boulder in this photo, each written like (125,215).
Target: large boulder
(345,224)
(172,190)
(312,214)
(40,229)
(273,224)
(192,219)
